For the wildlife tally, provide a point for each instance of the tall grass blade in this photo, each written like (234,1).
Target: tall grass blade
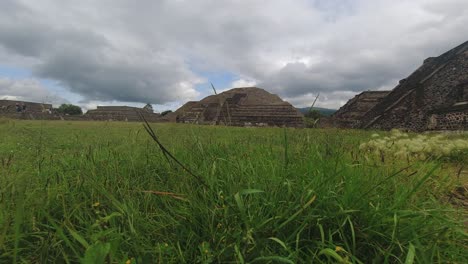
(281,243)
(411,253)
(77,237)
(250,191)
(96,254)
(418,185)
(214,90)
(311,108)
(297,213)
(167,153)
(332,254)
(272,259)
(285,146)
(19,215)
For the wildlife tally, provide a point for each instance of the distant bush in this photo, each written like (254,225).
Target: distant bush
(311,118)
(149,108)
(421,147)
(163,113)
(310,123)
(70,109)
(313,114)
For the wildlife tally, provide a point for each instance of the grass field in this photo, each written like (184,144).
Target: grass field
(104,192)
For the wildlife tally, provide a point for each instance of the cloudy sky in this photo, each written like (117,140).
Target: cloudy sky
(165,52)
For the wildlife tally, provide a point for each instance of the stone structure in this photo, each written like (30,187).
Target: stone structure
(350,114)
(434,97)
(102,113)
(248,106)
(29,110)
(9,107)
(120,113)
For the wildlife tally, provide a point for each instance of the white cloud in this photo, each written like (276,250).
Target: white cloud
(27,90)
(243,83)
(331,100)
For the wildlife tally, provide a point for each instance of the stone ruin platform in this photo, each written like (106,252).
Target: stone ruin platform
(32,110)
(9,107)
(120,113)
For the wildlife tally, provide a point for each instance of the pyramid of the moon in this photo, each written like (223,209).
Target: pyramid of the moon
(434,97)
(247,106)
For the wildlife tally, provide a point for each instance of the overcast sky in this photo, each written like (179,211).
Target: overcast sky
(97,52)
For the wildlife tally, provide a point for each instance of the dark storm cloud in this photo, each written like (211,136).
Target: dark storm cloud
(37,39)
(373,48)
(336,76)
(102,76)
(150,50)
(90,64)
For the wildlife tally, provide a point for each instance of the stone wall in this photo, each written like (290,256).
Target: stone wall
(452,118)
(33,116)
(449,121)
(331,122)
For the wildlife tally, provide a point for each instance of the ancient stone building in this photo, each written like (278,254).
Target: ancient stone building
(120,113)
(434,97)
(350,114)
(9,107)
(28,110)
(249,106)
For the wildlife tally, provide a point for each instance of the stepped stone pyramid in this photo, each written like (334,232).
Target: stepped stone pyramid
(247,106)
(350,114)
(434,97)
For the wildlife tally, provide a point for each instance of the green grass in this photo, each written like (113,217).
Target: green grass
(96,192)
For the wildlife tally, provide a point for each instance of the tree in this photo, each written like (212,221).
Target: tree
(163,113)
(69,109)
(148,108)
(312,117)
(313,114)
